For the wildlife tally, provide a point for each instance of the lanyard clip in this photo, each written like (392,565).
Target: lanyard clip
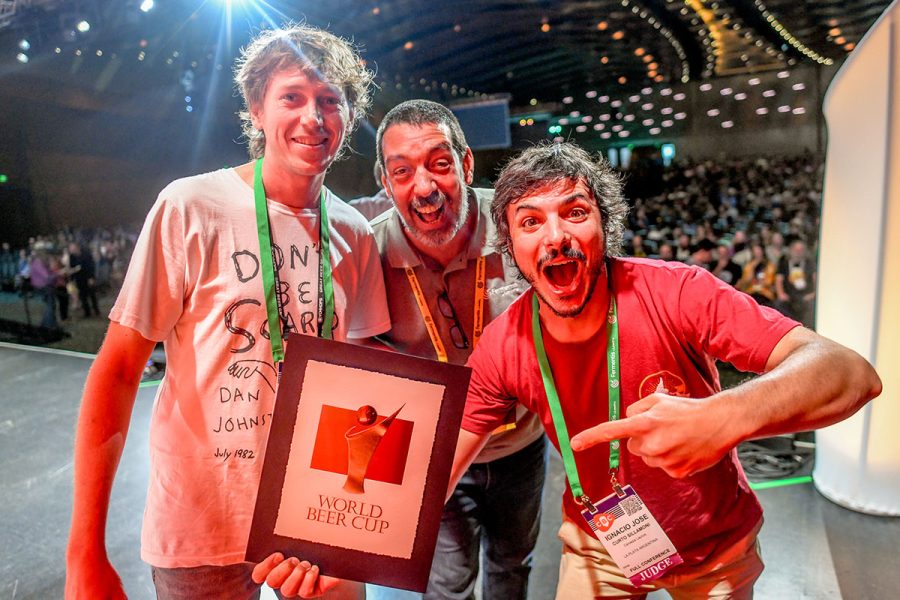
(586,503)
(617,488)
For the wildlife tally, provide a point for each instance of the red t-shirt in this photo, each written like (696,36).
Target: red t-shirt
(674,322)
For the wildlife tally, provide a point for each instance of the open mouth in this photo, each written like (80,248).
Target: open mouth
(429,212)
(563,275)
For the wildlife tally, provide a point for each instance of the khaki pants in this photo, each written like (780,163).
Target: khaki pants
(587,571)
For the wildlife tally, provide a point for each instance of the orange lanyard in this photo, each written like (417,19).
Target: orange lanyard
(431,328)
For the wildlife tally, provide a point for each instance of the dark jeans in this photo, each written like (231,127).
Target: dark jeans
(231,582)
(496,507)
(87,296)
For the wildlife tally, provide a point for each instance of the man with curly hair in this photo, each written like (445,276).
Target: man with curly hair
(227,265)
(617,356)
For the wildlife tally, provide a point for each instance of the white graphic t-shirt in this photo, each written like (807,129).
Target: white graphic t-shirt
(194,283)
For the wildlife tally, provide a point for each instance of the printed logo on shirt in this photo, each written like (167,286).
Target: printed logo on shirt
(664,382)
(362,445)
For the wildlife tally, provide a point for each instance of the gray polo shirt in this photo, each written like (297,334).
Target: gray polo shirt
(408,333)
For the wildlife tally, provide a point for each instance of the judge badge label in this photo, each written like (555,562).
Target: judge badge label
(632,537)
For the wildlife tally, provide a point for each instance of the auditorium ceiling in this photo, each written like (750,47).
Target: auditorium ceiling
(535,52)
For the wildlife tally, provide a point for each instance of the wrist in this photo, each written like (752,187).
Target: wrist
(730,418)
(78,552)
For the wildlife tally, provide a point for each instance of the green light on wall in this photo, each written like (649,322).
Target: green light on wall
(3,178)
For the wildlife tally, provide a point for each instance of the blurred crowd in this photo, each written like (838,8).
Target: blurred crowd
(753,222)
(67,270)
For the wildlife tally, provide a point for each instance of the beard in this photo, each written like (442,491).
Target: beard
(437,238)
(593,275)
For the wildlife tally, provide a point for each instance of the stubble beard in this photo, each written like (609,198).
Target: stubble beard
(439,238)
(593,277)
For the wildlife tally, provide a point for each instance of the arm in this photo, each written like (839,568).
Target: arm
(103,421)
(779,288)
(810,382)
(468,446)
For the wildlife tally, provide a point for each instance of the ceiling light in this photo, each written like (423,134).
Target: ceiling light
(83,26)
(147,6)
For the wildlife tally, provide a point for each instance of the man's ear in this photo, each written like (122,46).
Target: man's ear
(468,166)
(386,185)
(255,117)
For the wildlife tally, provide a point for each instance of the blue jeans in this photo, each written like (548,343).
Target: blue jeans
(496,507)
(48,295)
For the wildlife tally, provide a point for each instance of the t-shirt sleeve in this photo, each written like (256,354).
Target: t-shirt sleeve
(727,324)
(368,310)
(152,296)
(488,403)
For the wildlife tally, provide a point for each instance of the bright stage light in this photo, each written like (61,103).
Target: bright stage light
(25,45)
(22,57)
(146,5)
(83,26)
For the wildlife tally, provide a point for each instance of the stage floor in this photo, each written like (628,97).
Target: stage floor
(812,548)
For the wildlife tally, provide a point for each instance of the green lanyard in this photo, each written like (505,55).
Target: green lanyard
(270,276)
(559,422)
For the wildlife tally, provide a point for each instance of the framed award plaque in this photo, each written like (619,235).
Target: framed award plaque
(358,461)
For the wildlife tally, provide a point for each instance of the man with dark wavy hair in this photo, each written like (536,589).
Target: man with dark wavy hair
(227,265)
(617,357)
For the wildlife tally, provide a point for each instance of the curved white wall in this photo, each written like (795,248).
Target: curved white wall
(858,300)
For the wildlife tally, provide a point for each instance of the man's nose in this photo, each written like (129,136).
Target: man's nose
(423,183)
(311,116)
(555,234)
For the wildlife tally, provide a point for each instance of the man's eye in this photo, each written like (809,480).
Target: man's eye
(529,222)
(578,212)
(331,100)
(442,164)
(289,97)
